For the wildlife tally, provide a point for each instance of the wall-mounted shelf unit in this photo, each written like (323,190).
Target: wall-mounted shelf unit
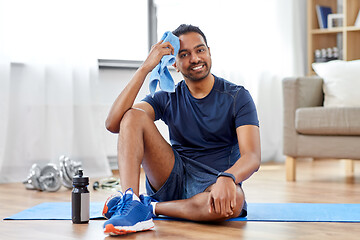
(346,37)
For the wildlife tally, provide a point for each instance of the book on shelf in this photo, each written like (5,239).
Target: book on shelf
(322,13)
(357,22)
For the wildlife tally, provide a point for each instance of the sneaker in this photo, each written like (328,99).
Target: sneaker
(129,215)
(146,200)
(110,204)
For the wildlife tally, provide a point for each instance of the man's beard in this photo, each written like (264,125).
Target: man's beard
(196,78)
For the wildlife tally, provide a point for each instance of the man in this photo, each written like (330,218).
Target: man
(215,143)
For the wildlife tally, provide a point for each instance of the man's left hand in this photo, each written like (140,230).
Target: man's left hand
(222,197)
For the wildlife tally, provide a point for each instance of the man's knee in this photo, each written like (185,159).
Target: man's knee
(134,117)
(200,201)
(240,200)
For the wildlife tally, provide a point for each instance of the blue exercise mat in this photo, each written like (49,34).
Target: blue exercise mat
(267,212)
(303,212)
(55,211)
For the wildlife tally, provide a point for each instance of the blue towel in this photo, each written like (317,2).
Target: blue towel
(161,73)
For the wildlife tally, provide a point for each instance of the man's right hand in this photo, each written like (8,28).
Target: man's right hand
(157,51)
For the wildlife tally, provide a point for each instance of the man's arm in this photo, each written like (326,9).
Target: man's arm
(249,145)
(223,194)
(126,99)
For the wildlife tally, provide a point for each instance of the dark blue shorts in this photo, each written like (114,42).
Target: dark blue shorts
(187,179)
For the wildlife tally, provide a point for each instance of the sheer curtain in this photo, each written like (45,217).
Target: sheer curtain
(253,43)
(48,76)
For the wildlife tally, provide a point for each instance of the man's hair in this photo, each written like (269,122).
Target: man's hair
(186,28)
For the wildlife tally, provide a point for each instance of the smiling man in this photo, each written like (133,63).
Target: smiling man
(214,135)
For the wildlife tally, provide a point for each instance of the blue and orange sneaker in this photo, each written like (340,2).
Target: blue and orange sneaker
(112,201)
(128,215)
(146,200)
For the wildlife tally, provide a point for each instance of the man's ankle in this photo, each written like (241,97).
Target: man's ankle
(153,204)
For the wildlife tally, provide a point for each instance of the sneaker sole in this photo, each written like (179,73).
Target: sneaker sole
(121,230)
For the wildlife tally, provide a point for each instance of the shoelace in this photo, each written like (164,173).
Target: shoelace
(123,204)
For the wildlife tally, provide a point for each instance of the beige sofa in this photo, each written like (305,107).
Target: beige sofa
(312,130)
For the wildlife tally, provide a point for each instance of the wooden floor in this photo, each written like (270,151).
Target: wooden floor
(321,181)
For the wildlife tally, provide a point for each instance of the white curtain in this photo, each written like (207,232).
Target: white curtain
(253,43)
(47,90)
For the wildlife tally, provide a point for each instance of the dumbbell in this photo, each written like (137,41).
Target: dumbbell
(32,181)
(44,179)
(50,177)
(68,168)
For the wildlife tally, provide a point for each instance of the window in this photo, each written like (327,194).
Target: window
(105,29)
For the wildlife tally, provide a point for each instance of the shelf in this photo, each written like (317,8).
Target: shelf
(352,29)
(335,30)
(327,30)
(346,38)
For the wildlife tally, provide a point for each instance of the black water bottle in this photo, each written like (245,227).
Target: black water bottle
(80,198)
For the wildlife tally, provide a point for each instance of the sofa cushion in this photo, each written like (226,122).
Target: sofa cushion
(341,82)
(328,121)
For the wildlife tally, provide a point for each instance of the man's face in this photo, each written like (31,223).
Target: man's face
(193,59)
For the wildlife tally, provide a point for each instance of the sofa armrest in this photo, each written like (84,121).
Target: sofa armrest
(298,92)
(303,91)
